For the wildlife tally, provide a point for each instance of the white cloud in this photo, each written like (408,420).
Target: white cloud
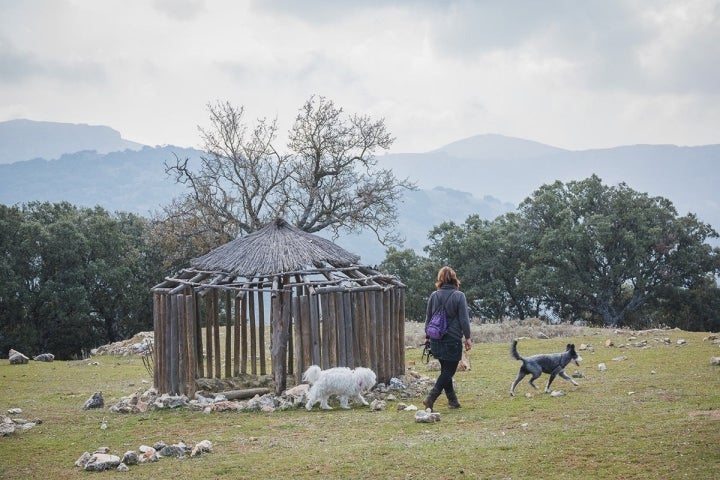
(575,75)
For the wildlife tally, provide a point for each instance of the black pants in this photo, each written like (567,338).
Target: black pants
(449,353)
(445,380)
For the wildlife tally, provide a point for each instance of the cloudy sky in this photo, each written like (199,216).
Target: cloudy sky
(573,74)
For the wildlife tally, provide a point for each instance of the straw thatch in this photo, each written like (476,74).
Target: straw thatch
(277,248)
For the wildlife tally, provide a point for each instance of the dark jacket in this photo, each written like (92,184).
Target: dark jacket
(456,308)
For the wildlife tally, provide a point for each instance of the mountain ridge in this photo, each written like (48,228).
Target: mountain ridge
(454,182)
(23,139)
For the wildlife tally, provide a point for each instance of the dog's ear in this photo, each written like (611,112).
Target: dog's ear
(571,346)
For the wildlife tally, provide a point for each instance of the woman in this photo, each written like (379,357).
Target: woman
(448,350)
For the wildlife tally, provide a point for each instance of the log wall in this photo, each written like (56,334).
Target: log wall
(328,327)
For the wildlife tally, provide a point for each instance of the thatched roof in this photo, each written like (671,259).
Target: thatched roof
(275,249)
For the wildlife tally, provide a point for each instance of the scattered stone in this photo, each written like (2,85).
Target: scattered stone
(95,401)
(631,393)
(681,341)
(620,359)
(102,461)
(609,343)
(410,408)
(123,468)
(377,405)
(602,367)
(172,451)
(44,357)
(149,454)
(224,406)
(130,458)
(83,460)
(400,407)
(159,445)
(15,411)
(205,446)
(557,393)
(714,360)
(710,338)
(427,416)
(17,358)
(578,374)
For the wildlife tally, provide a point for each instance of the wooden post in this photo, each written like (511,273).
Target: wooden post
(239,311)
(399,316)
(228,335)
(377,339)
(297,331)
(191,348)
(342,357)
(315,329)
(326,332)
(279,340)
(167,353)
(261,323)
(199,365)
(208,336)
(253,343)
(305,347)
(244,339)
(181,345)
(216,332)
(157,302)
(173,344)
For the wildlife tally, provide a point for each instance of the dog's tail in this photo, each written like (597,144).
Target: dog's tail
(312,374)
(513,351)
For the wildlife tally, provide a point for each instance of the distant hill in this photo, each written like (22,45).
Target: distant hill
(487,175)
(130,181)
(688,176)
(27,139)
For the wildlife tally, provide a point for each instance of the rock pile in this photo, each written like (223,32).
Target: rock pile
(102,459)
(140,344)
(411,385)
(10,425)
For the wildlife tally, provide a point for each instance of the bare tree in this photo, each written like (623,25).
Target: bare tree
(327,179)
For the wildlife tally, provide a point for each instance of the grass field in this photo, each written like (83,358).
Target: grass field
(653,415)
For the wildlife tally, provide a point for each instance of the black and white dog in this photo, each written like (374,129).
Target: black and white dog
(552,363)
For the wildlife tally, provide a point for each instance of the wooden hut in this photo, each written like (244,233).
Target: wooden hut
(321,306)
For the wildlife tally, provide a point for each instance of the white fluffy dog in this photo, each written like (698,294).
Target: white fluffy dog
(340,381)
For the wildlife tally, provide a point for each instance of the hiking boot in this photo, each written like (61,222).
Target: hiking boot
(432,395)
(452,400)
